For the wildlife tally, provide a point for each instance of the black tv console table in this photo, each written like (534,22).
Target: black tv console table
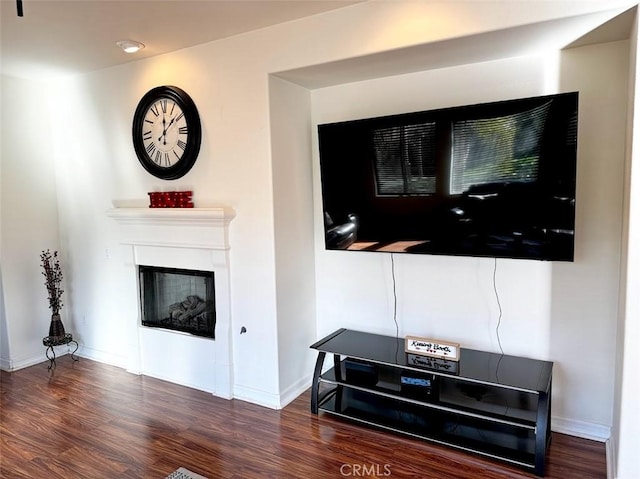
(490,404)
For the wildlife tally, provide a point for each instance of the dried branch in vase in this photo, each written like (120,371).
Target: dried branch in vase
(53,275)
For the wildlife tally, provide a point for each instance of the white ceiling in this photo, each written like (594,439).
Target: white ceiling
(567,32)
(56,37)
(78,36)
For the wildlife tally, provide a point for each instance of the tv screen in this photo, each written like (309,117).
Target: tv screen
(494,179)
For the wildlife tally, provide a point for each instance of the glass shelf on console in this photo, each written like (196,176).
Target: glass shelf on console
(474,366)
(509,443)
(448,394)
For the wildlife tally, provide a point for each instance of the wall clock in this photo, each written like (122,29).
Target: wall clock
(166,132)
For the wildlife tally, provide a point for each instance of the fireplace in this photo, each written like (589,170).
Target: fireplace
(182,250)
(178,299)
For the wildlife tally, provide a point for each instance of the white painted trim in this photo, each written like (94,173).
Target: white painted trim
(295,390)
(208,227)
(610,449)
(585,430)
(173,216)
(255,396)
(174,244)
(187,384)
(102,357)
(272,401)
(12,364)
(119,362)
(186,238)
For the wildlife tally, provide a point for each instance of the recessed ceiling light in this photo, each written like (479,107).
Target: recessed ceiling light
(130,46)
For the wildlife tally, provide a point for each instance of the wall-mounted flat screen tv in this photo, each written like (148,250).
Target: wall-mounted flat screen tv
(494,179)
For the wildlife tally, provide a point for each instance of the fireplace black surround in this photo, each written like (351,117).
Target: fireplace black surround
(178,299)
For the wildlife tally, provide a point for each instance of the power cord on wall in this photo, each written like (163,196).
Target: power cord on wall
(495,290)
(395,296)
(395,303)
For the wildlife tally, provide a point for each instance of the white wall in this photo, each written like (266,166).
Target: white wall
(445,297)
(585,294)
(290,112)
(232,170)
(555,311)
(625,441)
(29,219)
(5,354)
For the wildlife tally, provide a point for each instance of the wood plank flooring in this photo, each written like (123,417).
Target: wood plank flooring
(90,420)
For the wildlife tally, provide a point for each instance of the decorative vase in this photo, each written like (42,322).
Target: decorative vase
(56,328)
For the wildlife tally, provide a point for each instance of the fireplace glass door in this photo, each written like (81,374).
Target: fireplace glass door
(178,299)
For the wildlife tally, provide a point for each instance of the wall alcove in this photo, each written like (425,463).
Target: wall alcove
(337,291)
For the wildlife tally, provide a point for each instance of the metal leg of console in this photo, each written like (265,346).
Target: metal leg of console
(542,431)
(315,387)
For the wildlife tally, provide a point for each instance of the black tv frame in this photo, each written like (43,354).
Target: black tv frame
(509,219)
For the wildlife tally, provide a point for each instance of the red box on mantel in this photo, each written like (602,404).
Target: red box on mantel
(170,199)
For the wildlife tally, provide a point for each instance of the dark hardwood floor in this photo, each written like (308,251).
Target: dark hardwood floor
(91,420)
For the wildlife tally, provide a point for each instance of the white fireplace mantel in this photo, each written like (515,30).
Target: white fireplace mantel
(184,238)
(208,227)
(175,216)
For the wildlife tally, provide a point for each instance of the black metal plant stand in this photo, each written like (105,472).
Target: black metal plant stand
(51,341)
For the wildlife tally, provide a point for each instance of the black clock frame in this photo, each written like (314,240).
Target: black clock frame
(192,118)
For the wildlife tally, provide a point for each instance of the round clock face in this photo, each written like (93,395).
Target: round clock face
(166,132)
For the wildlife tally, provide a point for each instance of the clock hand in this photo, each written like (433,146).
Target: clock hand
(167,128)
(164,130)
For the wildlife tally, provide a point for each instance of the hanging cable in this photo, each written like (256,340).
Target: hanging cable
(395,305)
(395,296)
(19,6)
(495,290)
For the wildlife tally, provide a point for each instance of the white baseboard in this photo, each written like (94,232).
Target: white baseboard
(610,448)
(293,391)
(243,393)
(14,364)
(571,427)
(585,430)
(272,401)
(179,382)
(256,396)
(101,357)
